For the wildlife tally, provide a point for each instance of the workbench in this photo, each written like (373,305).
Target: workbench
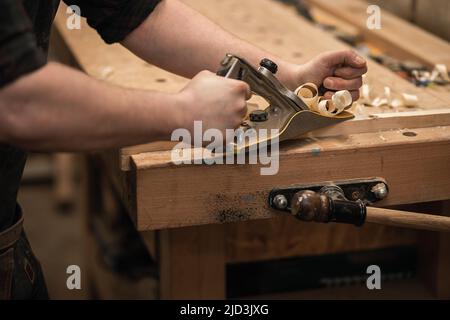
(197,219)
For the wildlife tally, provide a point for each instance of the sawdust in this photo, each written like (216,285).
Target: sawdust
(231,215)
(233,208)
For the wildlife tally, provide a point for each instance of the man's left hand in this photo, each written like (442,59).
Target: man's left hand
(336,70)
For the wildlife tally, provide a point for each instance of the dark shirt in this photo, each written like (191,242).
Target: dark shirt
(24,37)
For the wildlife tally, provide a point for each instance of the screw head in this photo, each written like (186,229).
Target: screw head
(259,116)
(380,191)
(269,65)
(356,195)
(280,201)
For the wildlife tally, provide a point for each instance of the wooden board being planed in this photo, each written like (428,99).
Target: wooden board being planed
(294,39)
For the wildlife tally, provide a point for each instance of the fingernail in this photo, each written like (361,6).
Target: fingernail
(360,60)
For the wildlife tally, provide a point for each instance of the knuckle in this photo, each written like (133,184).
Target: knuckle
(352,53)
(234,84)
(242,86)
(240,106)
(359,82)
(344,72)
(204,74)
(235,121)
(325,54)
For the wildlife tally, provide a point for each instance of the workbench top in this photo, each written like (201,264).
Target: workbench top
(161,195)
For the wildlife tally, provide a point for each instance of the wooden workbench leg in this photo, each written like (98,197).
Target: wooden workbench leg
(192,262)
(64,191)
(434,267)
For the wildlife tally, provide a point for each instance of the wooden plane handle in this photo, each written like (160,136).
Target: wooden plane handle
(406,219)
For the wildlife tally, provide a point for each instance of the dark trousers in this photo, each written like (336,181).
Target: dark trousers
(21,275)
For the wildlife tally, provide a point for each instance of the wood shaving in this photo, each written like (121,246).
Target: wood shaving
(106,72)
(439,75)
(339,102)
(387,99)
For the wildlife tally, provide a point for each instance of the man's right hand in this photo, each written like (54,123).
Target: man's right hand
(220,103)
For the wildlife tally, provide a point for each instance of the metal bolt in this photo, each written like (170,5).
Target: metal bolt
(355,195)
(280,201)
(259,116)
(380,191)
(226,60)
(269,65)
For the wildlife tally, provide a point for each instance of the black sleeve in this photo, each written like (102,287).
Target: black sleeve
(114,19)
(19,53)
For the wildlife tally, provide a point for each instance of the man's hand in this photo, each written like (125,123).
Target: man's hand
(219,102)
(337,70)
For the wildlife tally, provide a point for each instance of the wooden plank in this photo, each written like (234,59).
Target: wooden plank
(375,122)
(395,36)
(284,237)
(387,121)
(434,16)
(227,193)
(192,263)
(401,8)
(328,19)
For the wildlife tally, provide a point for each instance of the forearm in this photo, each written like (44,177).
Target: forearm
(180,40)
(60,109)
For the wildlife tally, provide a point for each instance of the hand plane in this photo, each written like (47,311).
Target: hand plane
(287,113)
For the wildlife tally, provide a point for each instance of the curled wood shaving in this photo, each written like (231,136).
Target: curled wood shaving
(339,102)
(387,99)
(309,94)
(438,75)
(410,100)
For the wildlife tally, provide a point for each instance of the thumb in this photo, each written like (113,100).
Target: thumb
(345,57)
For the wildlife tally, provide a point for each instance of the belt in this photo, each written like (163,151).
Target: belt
(11,235)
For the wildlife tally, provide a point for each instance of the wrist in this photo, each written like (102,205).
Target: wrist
(181,117)
(164,114)
(290,75)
